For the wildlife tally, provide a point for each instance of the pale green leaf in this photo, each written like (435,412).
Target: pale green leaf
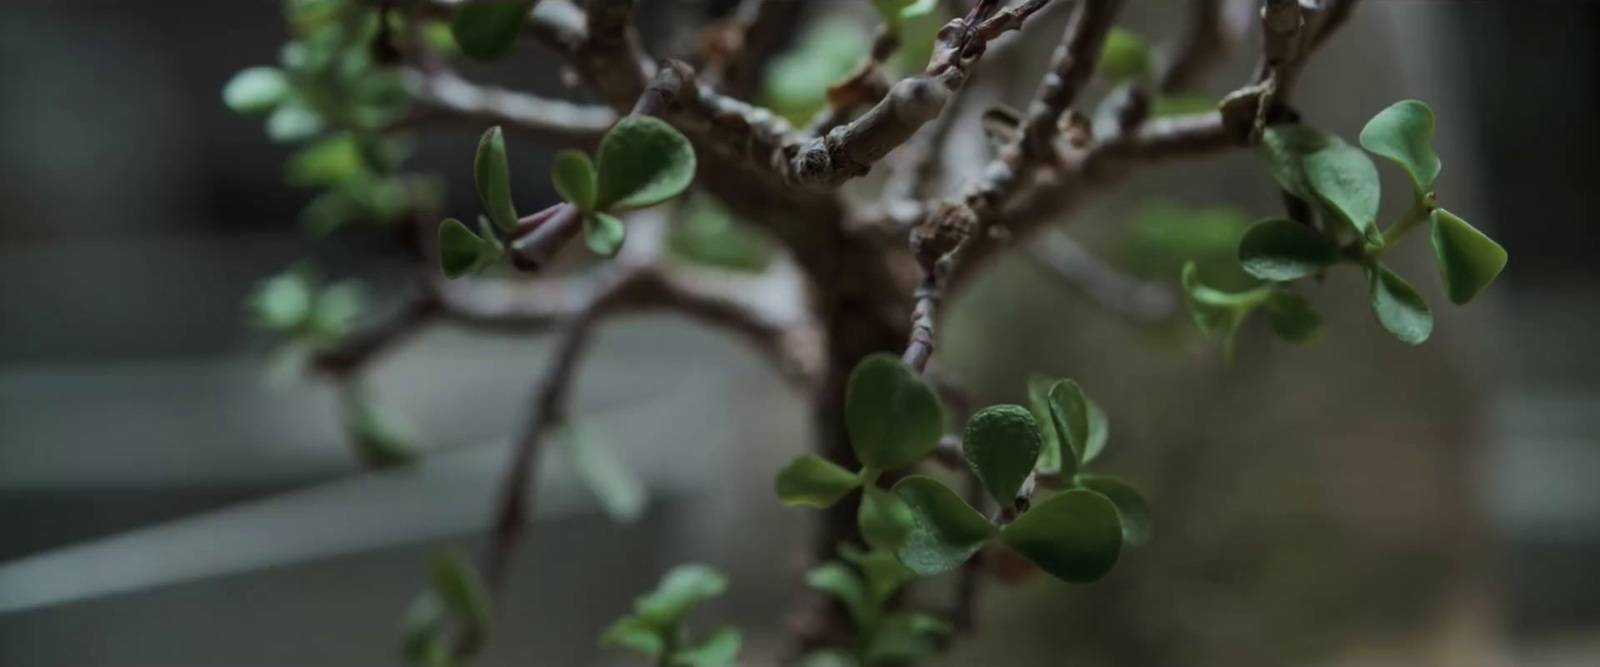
(331,161)
(282,302)
(838,580)
(1468,260)
(680,590)
(574,178)
(643,162)
(1124,57)
(634,634)
(813,481)
(721,649)
(604,234)
(885,520)
(256,90)
(1404,133)
(612,482)
(293,121)
(461,251)
(1398,306)
(882,570)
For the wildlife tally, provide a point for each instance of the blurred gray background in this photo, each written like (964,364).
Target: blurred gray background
(1350,503)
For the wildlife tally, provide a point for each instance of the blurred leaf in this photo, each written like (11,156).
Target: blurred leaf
(1125,57)
(814,481)
(719,650)
(336,310)
(604,234)
(1292,317)
(897,12)
(292,122)
(381,439)
(327,212)
(1404,133)
(487,29)
(1215,311)
(634,634)
(1398,306)
(1468,260)
(829,658)
(709,236)
(613,483)
(946,530)
(462,252)
(882,571)
(462,592)
(1076,535)
(838,580)
(1131,508)
(1099,432)
(885,519)
(1069,410)
(681,589)
(643,162)
(1039,406)
(1164,236)
(256,90)
(1002,443)
(493,177)
(1320,167)
(892,416)
(422,629)
(282,302)
(1284,250)
(1182,105)
(796,84)
(330,161)
(574,179)
(907,637)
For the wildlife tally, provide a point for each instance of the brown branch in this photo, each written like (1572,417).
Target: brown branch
(862,87)
(1070,67)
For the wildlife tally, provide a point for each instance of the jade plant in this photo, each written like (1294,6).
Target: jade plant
(840,281)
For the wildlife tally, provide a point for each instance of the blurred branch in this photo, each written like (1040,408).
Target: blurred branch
(444,94)
(1199,49)
(1118,293)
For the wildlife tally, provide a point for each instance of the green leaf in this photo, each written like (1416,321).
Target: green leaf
(719,650)
(1468,260)
(493,178)
(1182,105)
(382,440)
(331,161)
(634,634)
(1069,411)
(897,12)
(1131,508)
(487,29)
(256,90)
(946,530)
(1320,167)
(643,162)
(882,570)
(461,591)
(1404,133)
(461,251)
(282,302)
(886,521)
(604,234)
(1293,318)
(906,637)
(1076,536)
(422,629)
(892,416)
(838,580)
(681,589)
(829,658)
(1124,57)
(1099,432)
(1284,250)
(335,310)
(1398,306)
(1002,443)
(1039,406)
(293,121)
(1215,311)
(613,483)
(575,179)
(813,481)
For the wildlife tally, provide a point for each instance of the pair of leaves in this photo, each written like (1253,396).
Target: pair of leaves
(455,600)
(1323,169)
(461,251)
(656,622)
(296,303)
(642,162)
(1079,425)
(880,636)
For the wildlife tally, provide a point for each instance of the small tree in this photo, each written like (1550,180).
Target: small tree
(359,75)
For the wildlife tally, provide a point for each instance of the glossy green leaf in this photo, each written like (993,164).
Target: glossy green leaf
(1468,260)
(1039,406)
(1404,133)
(681,589)
(1076,535)
(256,90)
(1284,250)
(721,649)
(612,482)
(1293,317)
(575,179)
(643,162)
(838,580)
(946,530)
(331,161)
(293,121)
(893,417)
(461,591)
(883,572)
(1131,508)
(1320,167)
(493,178)
(906,637)
(632,633)
(1398,306)
(813,481)
(1002,443)
(885,520)
(1124,57)
(461,251)
(282,302)
(1069,411)
(604,234)
(487,29)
